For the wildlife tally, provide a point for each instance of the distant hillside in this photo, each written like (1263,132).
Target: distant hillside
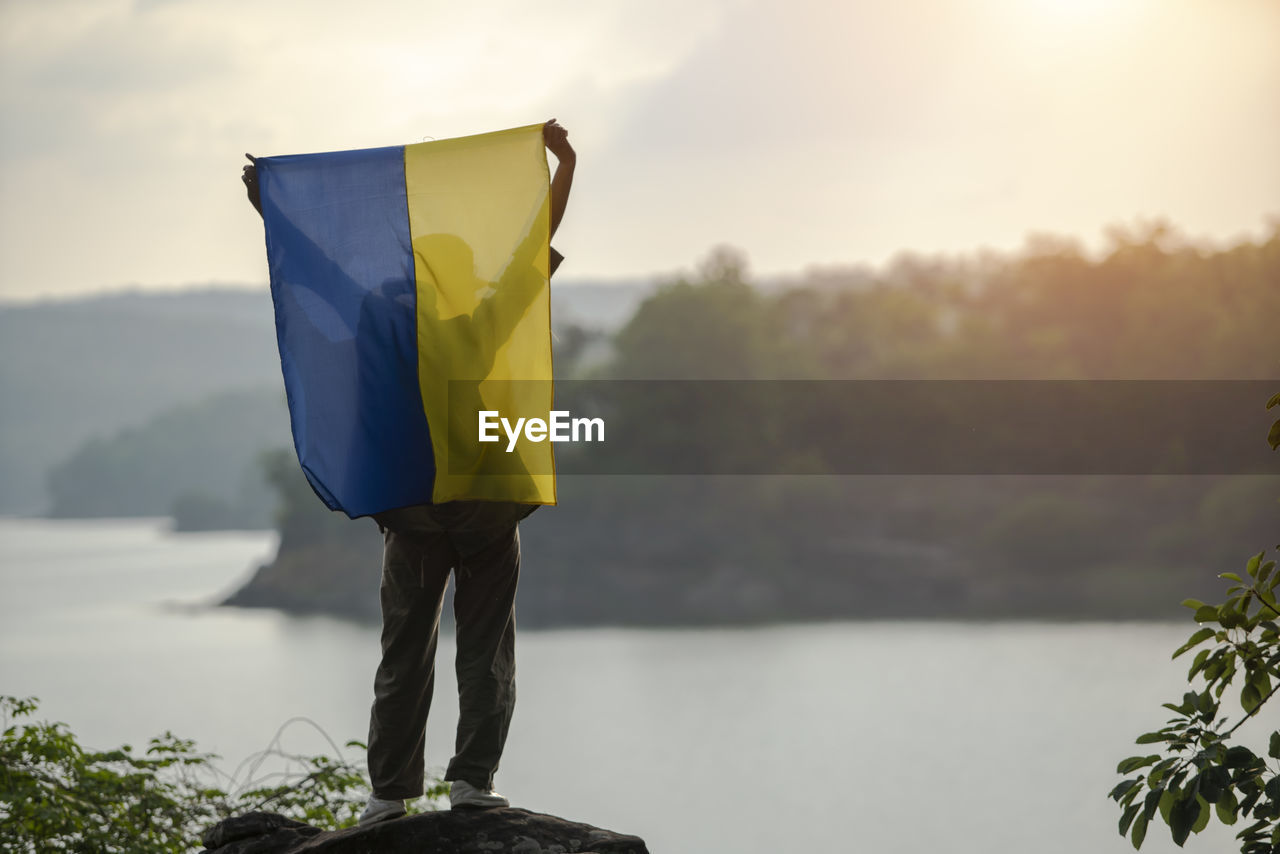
(204,457)
(650,549)
(604,306)
(76,370)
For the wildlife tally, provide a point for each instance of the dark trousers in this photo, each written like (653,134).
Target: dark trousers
(416,563)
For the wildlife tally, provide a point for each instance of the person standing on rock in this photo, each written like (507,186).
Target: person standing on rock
(479,542)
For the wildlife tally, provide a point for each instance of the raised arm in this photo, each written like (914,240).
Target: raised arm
(250,178)
(497,315)
(554,136)
(556,139)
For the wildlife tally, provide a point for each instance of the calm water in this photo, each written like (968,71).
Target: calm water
(876,737)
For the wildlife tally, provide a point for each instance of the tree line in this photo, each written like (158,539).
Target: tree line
(672,548)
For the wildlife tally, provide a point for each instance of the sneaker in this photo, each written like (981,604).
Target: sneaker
(466,796)
(379,810)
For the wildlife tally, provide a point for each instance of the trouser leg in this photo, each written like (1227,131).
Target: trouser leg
(415,571)
(484,608)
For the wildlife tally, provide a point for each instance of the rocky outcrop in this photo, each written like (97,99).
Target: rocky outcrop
(499,831)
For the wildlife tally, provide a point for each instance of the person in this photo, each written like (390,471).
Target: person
(479,543)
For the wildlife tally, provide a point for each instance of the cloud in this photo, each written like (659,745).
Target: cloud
(129,119)
(775,74)
(119,84)
(806,132)
(820,132)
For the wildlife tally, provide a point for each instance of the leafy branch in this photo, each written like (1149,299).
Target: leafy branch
(1273,437)
(57,796)
(1201,774)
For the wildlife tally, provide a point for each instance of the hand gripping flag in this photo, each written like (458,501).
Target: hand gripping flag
(410,291)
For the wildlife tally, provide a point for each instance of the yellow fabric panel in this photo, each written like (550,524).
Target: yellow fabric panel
(479,214)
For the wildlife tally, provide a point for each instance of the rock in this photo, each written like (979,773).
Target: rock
(256,832)
(498,831)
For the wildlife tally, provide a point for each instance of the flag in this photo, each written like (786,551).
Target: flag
(410,286)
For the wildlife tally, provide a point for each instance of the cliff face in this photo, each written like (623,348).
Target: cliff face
(639,551)
(662,551)
(337,578)
(500,831)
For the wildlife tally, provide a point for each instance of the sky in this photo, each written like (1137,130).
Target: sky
(806,133)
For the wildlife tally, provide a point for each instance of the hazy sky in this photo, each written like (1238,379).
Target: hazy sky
(804,132)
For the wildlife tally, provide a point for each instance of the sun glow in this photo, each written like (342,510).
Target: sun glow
(1100,14)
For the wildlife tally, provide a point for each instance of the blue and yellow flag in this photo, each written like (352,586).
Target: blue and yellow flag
(410,290)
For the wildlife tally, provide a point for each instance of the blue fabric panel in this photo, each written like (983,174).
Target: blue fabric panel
(342,279)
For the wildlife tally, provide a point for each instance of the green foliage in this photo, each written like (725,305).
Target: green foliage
(74,369)
(716,326)
(1200,773)
(326,562)
(1083,528)
(1273,437)
(197,510)
(299,515)
(55,795)
(205,450)
(1155,307)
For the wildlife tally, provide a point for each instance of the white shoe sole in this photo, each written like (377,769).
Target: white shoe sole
(379,817)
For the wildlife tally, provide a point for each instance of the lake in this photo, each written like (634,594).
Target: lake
(881,737)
